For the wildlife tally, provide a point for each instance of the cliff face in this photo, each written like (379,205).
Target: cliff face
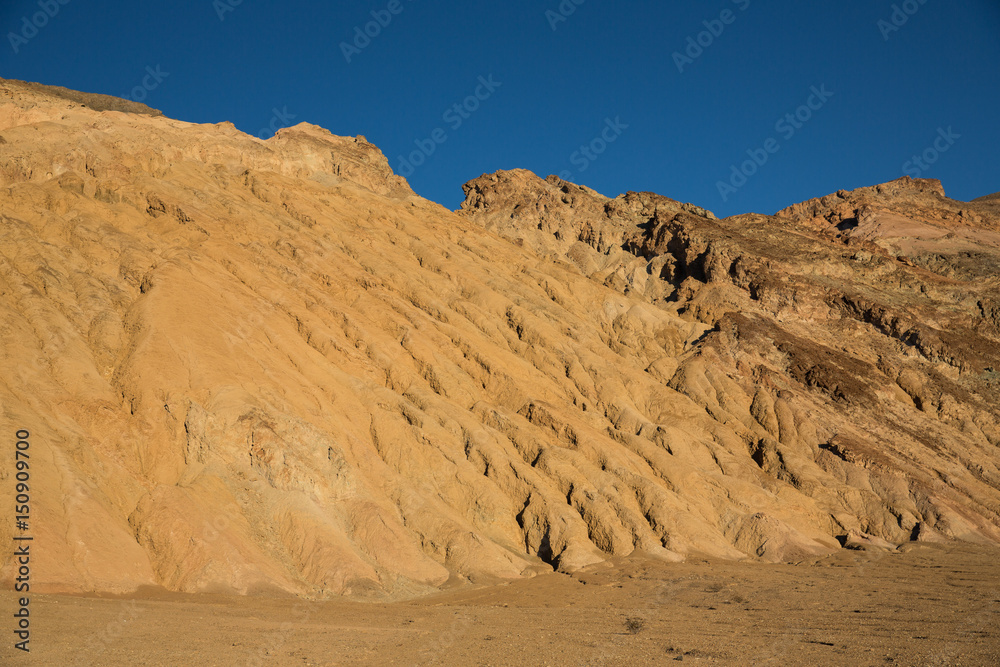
(267,365)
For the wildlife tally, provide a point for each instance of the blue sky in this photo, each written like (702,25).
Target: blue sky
(617,96)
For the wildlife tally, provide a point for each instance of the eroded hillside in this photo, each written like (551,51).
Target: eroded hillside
(268,365)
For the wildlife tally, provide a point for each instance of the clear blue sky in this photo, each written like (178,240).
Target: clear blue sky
(892,89)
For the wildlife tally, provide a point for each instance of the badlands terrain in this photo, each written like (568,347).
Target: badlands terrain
(596,429)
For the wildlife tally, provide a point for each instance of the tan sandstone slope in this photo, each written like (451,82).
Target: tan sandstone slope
(269,366)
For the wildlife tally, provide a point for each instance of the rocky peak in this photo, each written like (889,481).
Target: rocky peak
(844,204)
(109,147)
(319,151)
(910,219)
(560,219)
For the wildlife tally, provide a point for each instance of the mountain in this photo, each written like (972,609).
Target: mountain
(268,366)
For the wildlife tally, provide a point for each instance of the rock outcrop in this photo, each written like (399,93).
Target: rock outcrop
(257,366)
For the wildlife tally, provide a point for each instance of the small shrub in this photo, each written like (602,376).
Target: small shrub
(634,624)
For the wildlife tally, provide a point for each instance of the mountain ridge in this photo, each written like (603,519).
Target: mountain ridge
(269,366)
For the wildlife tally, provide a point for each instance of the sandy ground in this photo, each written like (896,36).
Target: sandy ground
(929,604)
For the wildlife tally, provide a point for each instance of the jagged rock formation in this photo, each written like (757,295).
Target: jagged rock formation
(267,365)
(870,317)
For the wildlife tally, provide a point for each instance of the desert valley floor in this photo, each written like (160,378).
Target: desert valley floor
(923,605)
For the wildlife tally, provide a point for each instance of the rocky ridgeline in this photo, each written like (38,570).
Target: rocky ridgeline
(259,366)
